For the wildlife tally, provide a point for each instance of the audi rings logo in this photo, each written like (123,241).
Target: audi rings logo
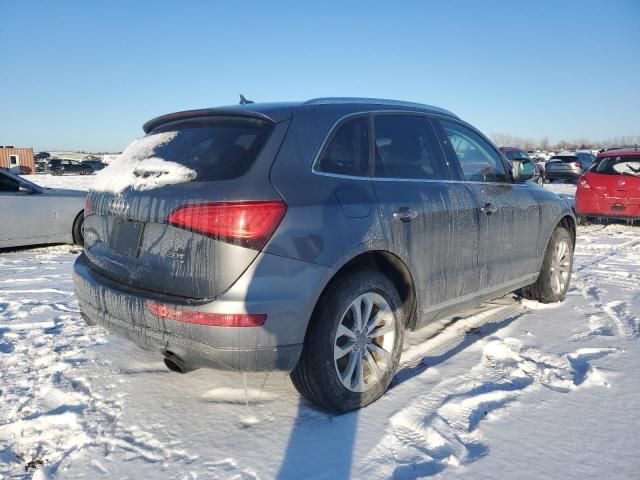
(117,206)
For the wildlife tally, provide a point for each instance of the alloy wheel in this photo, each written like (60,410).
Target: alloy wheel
(560,267)
(364,342)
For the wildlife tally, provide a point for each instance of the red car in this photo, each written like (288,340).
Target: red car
(611,187)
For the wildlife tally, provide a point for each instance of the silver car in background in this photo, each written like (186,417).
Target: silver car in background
(568,165)
(32,215)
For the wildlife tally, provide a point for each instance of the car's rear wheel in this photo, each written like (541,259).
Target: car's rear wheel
(555,274)
(77,230)
(353,343)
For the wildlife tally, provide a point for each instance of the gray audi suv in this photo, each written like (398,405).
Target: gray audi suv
(307,237)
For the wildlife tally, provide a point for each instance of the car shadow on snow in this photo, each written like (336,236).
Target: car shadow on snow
(322,445)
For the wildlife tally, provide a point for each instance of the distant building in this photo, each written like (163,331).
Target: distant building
(17,160)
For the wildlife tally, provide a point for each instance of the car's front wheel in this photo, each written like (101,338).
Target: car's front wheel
(353,343)
(77,231)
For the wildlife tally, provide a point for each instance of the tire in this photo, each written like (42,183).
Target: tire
(555,274)
(580,220)
(76,230)
(88,172)
(322,379)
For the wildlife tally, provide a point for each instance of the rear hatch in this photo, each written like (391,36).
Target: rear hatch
(563,164)
(616,180)
(187,208)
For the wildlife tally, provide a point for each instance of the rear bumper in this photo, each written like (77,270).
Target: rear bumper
(285,290)
(568,174)
(589,204)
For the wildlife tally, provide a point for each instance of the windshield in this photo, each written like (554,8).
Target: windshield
(619,165)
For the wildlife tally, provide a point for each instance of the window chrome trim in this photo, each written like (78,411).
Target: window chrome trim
(416,180)
(370,113)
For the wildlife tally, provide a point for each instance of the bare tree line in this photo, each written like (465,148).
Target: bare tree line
(543,143)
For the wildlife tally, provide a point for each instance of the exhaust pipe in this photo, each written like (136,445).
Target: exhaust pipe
(176,364)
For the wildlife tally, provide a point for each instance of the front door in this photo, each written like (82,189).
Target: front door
(430,221)
(509,213)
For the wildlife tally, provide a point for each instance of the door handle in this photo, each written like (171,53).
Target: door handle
(489,208)
(405,214)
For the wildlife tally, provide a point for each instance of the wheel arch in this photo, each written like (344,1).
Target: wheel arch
(569,223)
(393,267)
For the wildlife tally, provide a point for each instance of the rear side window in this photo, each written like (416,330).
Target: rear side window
(406,147)
(347,153)
(215,149)
(479,161)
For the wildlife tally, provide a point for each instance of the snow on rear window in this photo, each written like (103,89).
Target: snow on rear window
(140,169)
(204,150)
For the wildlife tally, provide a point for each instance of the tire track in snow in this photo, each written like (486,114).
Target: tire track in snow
(441,429)
(607,317)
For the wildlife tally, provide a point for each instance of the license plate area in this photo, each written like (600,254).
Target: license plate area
(125,237)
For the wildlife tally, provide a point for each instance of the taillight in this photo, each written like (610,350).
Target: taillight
(583,183)
(87,206)
(249,224)
(189,315)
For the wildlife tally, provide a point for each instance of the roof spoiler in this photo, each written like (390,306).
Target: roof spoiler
(206,112)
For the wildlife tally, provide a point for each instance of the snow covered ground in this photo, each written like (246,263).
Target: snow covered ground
(519,390)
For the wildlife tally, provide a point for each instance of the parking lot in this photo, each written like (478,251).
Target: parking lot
(82,404)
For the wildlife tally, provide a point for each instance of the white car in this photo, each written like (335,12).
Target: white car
(33,215)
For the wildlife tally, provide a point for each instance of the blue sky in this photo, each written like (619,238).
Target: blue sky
(86,75)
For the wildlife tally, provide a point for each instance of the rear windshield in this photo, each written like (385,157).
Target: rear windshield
(564,158)
(215,149)
(515,154)
(618,165)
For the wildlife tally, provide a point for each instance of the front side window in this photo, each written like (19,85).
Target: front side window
(406,147)
(347,153)
(479,161)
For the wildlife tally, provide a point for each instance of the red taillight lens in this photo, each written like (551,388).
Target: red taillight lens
(583,183)
(87,206)
(249,224)
(188,315)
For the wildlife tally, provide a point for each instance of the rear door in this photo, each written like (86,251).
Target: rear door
(430,220)
(509,213)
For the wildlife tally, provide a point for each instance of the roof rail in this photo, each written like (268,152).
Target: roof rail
(376,101)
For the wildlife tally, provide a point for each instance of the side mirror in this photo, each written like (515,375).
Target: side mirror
(523,170)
